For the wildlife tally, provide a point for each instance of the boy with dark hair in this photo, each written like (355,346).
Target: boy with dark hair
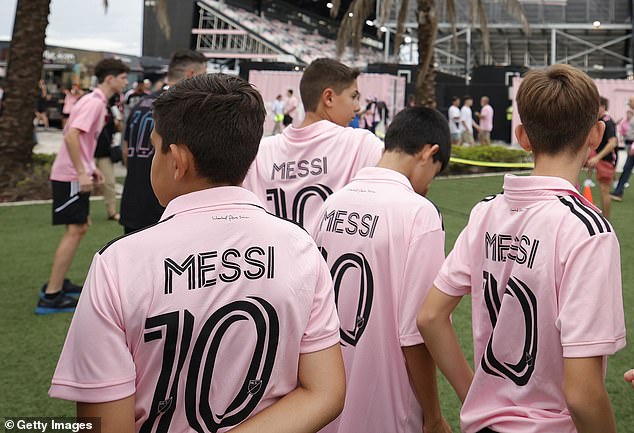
(73,175)
(542,267)
(603,159)
(297,170)
(139,206)
(385,244)
(219,316)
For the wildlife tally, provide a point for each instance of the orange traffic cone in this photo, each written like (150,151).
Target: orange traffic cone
(587,193)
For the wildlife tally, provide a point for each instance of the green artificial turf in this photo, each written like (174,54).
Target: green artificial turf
(30,344)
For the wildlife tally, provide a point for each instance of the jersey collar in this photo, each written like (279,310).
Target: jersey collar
(211,198)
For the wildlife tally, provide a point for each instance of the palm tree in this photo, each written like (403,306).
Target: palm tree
(427,20)
(23,72)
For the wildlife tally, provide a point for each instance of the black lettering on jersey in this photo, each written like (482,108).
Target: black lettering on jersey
(299,169)
(202,271)
(366,293)
(340,221)
(263,317)
(171,268)
(302,197)
(519,371)
(500,247)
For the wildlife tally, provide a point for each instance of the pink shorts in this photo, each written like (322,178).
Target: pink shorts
(605,172)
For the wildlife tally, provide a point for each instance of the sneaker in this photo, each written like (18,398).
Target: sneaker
(616,197)
(61,303)
(71,289)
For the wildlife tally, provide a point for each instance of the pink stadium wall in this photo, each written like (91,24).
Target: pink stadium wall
(388,88)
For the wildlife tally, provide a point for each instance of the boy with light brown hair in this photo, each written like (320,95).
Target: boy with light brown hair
(542,266)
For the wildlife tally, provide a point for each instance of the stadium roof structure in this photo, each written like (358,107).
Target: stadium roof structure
(593,35)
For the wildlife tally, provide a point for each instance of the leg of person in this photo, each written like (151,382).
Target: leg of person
(605,176)
(71,208)
(618,192)
(485,138)
(109,196)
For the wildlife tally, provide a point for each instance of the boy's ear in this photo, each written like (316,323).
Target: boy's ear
(182,160)
(522,138)
(595,135)
(427,152)
(327,97)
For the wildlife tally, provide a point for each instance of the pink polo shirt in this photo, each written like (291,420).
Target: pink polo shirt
(543,269)
(486,118)
(202,316)
(294,172)
(88,116)
(384,244)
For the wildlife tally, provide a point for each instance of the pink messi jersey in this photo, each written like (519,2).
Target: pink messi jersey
(543,269)
(202,316)
(294,172)
(384,245)
(88,116)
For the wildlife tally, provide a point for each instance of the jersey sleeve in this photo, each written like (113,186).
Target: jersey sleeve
(454,278)
(424,259)
(89,114)
(591,318)
(322,330)
(96,365)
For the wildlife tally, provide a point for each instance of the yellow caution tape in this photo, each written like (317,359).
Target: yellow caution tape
(492,164)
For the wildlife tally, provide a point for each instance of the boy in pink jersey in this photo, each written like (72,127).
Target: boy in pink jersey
(73,175)
(294,172)
(542,266)
(219,317)
(385,244)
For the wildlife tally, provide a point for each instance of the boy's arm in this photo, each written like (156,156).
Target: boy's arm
(434,324)
(421,370)
(317,400)
(74,151)
(115,416)
(586,396)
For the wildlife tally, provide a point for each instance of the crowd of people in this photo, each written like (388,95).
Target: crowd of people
(309,268)
(462,124)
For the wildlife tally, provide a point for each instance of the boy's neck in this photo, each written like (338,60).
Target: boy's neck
(400,162)
(107,90)
(312,117)
(561,165)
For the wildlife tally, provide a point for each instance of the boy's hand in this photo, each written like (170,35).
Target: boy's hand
(440,426)
(98,177)
(592,162)
(629,376)
(85,182)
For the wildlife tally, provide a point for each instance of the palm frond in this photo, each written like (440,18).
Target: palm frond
(516,10)
(351,27)
(105,6)
(484,28)
(400,24)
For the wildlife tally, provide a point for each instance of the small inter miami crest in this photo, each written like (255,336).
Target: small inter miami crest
(164,405)
(254,386)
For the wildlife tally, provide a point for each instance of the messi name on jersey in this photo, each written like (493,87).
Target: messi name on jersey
(350,223)
(501,247)
(205,269)
(302,168)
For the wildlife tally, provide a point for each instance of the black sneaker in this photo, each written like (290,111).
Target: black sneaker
(71,289)
(61,303)
(616,197)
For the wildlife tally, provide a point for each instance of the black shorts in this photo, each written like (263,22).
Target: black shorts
(486,430)
(69,205)
(287,120)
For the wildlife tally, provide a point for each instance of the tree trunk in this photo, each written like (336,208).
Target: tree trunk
(426,77)
(20,96)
